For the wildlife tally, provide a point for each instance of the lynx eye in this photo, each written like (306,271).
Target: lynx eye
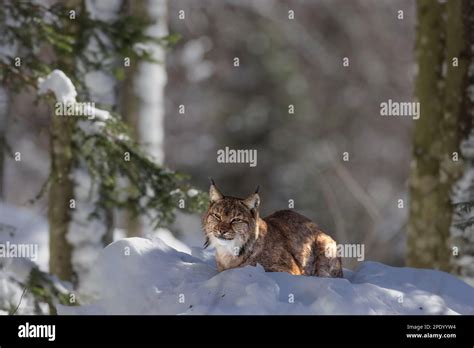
(216,216)
(236,221)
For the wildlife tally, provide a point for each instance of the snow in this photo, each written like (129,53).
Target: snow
(20,226)
(170,240)
(141,276)
(65,92)
(26,228)
(61,85)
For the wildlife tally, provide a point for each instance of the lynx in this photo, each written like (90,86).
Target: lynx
(284,241)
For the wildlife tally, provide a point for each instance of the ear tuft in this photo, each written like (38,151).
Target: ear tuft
(214,194)
(212,181)
(252,201)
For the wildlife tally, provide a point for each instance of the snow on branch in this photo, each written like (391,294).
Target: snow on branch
(58,83)
(102,143)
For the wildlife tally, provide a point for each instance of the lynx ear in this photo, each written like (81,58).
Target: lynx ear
(214,193)
(253,201)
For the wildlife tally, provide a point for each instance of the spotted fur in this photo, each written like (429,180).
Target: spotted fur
(284,241)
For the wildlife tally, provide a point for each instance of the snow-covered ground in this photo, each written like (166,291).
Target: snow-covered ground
(141,276)
(20,226)
(150,276)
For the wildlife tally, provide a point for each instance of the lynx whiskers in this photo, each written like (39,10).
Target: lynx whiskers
(284,241)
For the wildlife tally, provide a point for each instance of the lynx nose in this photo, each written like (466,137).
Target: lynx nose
(223,234)
(223,229)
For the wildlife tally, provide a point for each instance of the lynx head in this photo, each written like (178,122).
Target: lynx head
(230,222)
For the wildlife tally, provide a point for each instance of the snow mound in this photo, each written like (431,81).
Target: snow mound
(140,276)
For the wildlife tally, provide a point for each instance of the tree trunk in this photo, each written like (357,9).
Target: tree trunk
(143,92)
(462,232)
(440,89)
(61,189)
(4,108)
(60,193)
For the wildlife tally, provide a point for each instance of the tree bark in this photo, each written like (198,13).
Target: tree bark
(143,92)
(462,232)
(4,108)
(60,193)
(130,110)
(61,189)
(440,89)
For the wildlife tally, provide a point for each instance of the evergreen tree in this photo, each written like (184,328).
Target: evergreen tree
(118,170)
